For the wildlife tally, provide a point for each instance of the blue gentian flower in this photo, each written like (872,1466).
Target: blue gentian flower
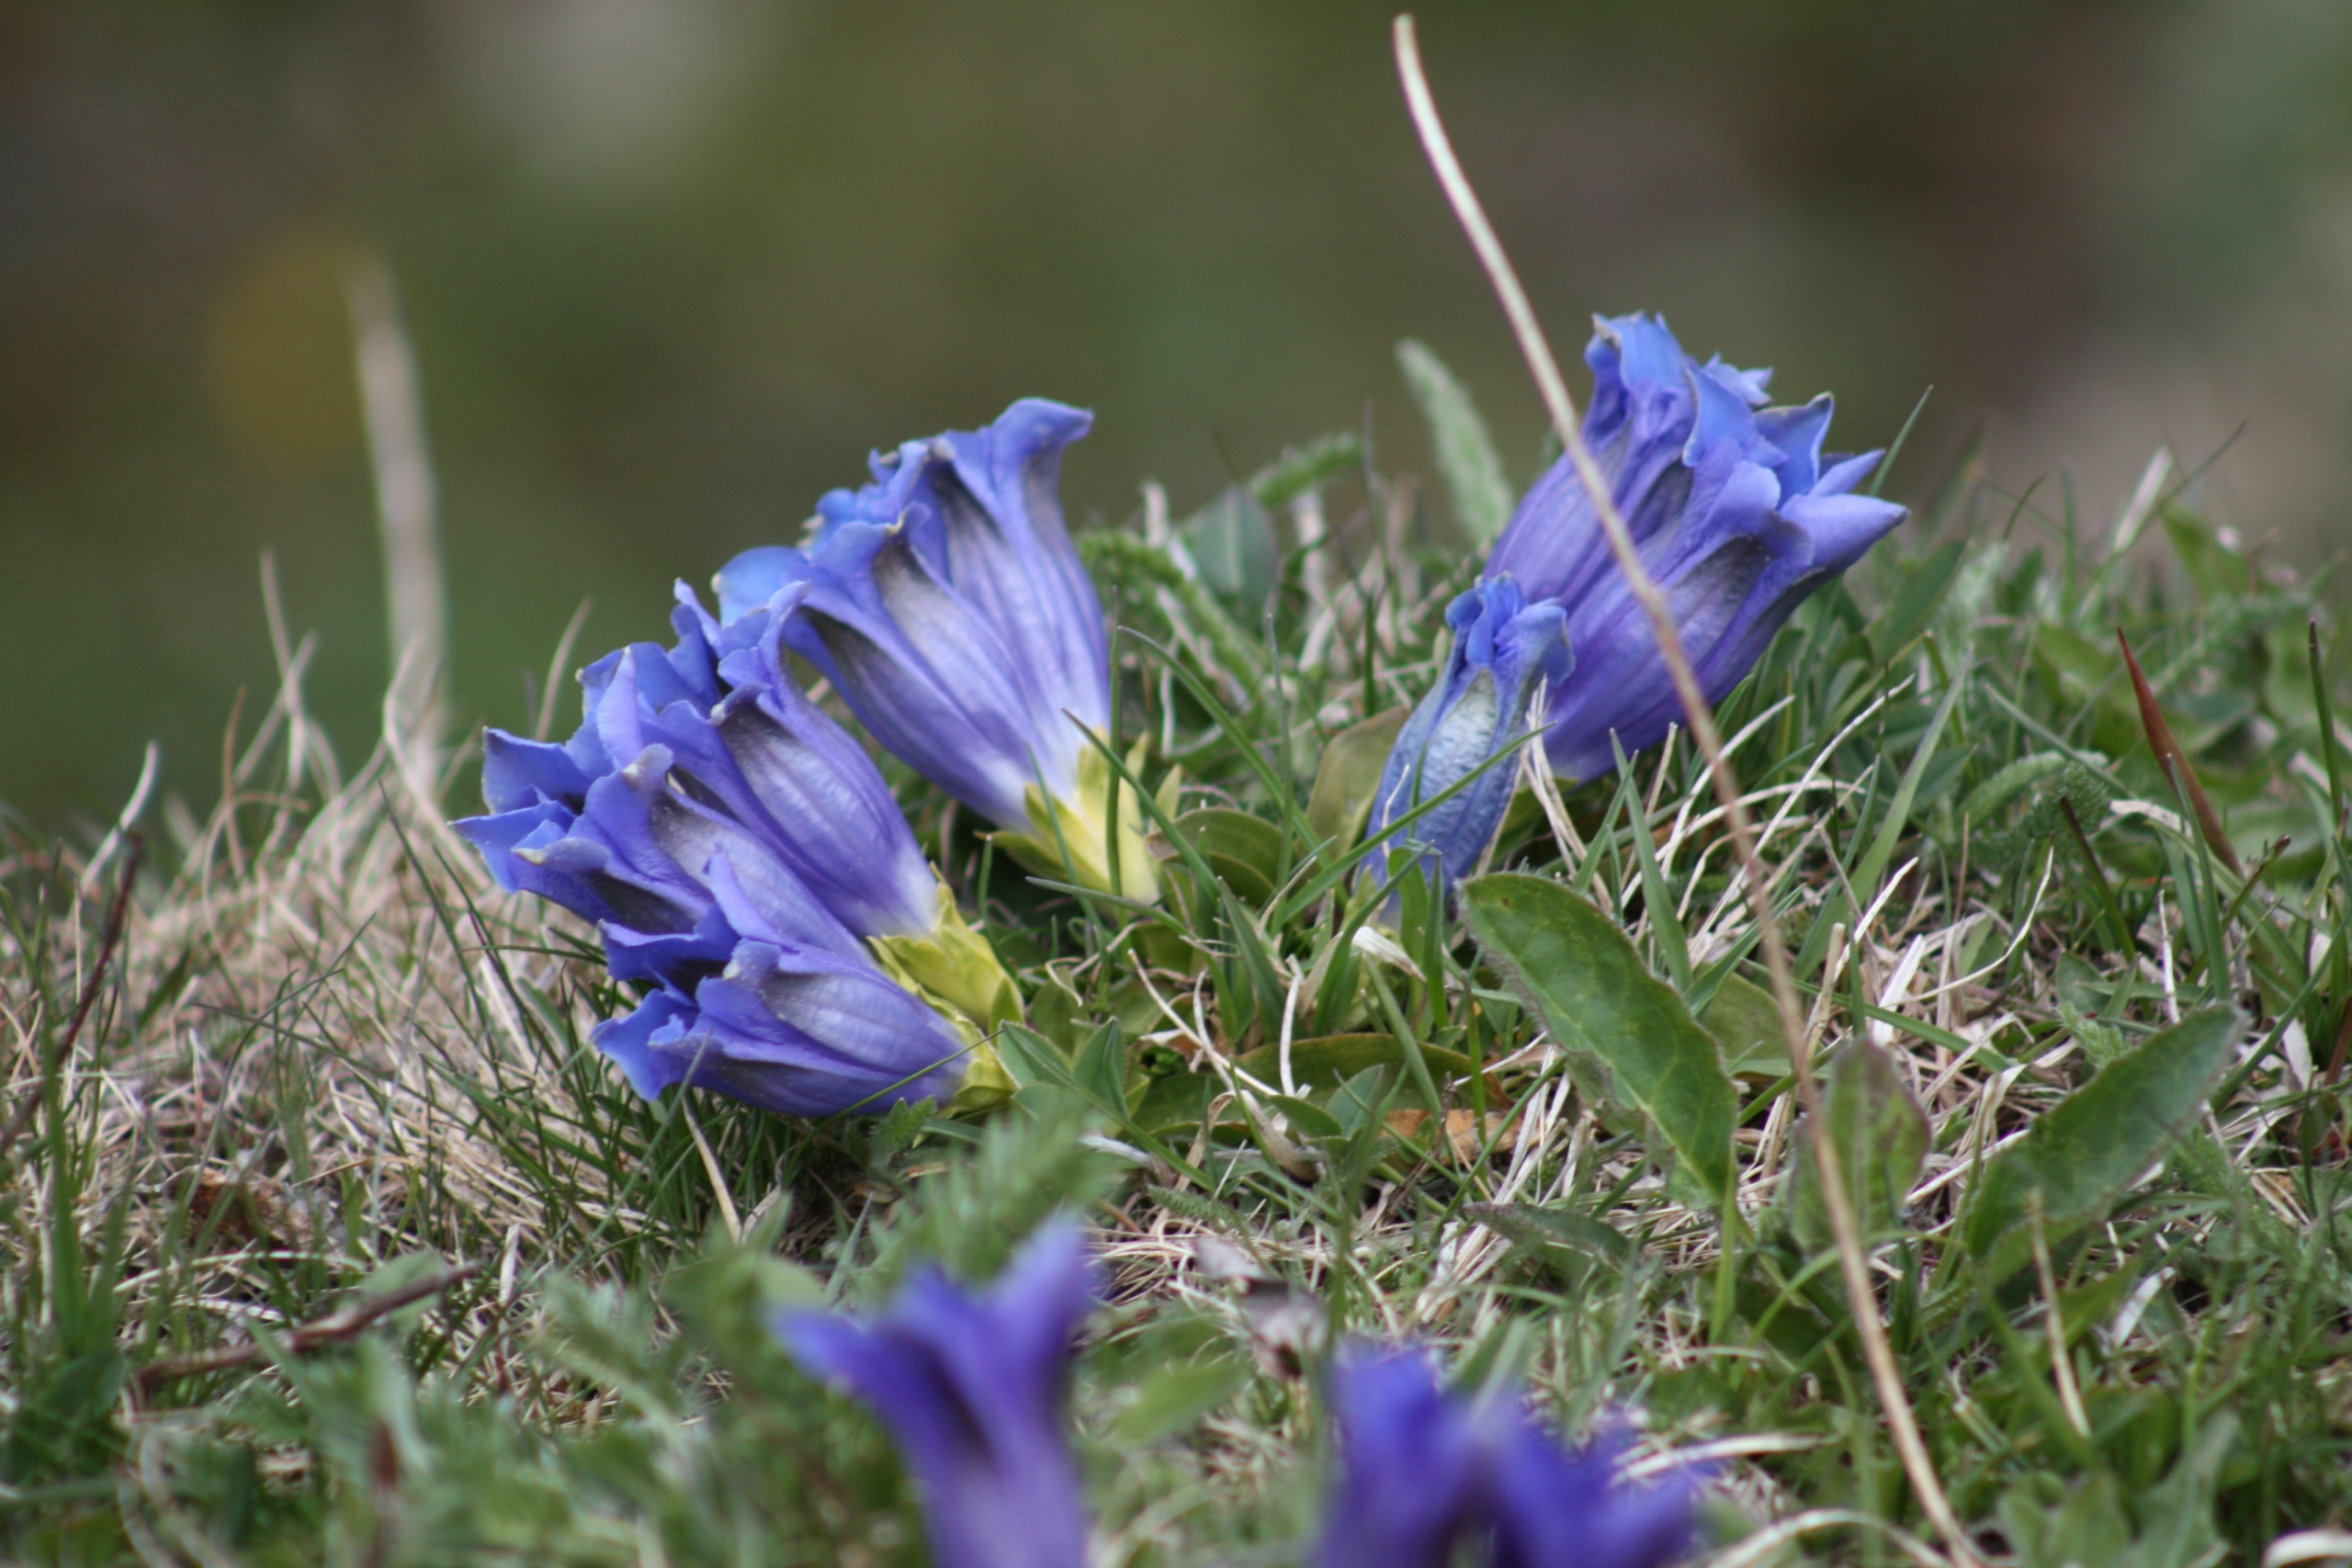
(742,855)
(973,1389)
(1736,511)
(793,1030)
(1410,1461)
(1423,1473)
(1505,651)
(1556,1508)
(948,607)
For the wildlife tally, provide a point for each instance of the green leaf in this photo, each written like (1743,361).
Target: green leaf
(2010,782)
(2091,672)
(2085,789)
(2088,1150)
(1614,1019)
(1334,1059)
(1349,777)
(1173,1099)
(1173,1398)
(1882,1140)
(1924,587)
(1233,545)
(1102,1069)
(1043,1078)
(1125,562)
(1665,926)
(2217,570)
(1245,851)
(1745,1024)
(1533,1228)
(1466,459)
(1311,467)
(1881,853)
(1307,1120)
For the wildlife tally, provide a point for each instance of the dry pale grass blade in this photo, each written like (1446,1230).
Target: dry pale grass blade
(356,963)
(405,506)
(92,985)
(133,811)
(1853,1265)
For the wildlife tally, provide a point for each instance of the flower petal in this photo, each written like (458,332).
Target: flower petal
(1409,1466)
(950,608)
(1504,649)
(1797,434)
(809,1034)
(769,759)
(638,1042)
(1559,1510)
(754,577)
(518,774)
(973,1389)
(928,675)
(1009,551)
(1732,510)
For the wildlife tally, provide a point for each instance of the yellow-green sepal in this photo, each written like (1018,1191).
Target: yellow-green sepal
(987,1085)
(954,970)
(1071,836)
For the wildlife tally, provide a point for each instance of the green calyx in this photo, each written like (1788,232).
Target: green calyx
(1071,836)
(955,970)
(987,1086)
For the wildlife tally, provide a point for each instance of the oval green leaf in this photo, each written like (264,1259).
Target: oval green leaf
(1619,1023)
(2088,1150)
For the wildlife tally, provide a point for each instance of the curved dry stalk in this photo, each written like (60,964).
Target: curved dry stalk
(1853,1265)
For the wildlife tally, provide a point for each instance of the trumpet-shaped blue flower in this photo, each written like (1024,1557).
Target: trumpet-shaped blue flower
(973,1388)
(1734,510)
(1409,1466)
(1421,1472)
(1505,651)
(948,607)
(742,855)
(1565,1508)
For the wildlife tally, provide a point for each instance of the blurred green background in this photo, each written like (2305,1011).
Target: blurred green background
(672,267)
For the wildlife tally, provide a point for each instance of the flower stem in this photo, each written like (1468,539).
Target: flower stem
(1853,1263)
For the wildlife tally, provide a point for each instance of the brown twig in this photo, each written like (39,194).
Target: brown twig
(28,1105)
(1853,1263)
(337,1325)
(2174,761)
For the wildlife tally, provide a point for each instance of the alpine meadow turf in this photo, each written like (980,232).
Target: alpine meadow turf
(330,1236)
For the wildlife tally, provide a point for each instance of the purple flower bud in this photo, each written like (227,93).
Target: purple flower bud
(948,607)
(973,1389)
(791,1030)
(749,761)
(1505,650)
(1734,508)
